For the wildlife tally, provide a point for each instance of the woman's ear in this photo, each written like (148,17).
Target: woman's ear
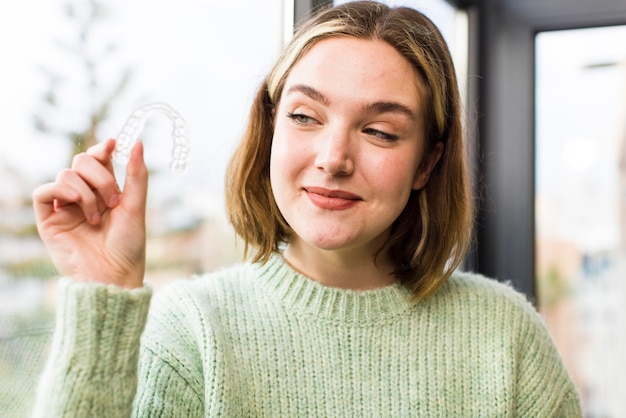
(427,166)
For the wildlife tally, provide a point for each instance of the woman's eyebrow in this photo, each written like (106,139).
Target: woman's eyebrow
(309,91)
(389,107)
(375,107)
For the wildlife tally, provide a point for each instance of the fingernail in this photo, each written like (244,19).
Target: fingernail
(114,200)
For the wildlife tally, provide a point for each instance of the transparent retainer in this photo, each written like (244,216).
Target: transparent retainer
(134,125)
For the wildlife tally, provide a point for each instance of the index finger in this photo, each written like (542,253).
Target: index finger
(103,153)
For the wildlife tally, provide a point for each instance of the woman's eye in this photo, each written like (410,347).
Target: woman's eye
(300,119)
(380,134)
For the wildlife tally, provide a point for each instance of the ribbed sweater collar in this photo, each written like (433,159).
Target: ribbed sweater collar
(351,307)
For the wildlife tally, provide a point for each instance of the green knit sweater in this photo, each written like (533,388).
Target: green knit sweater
(264,341)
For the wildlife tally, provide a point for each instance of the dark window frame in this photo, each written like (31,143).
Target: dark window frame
(503,58)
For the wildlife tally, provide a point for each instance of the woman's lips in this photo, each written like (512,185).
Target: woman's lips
(331,199)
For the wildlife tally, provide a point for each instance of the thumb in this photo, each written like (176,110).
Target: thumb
(136,182)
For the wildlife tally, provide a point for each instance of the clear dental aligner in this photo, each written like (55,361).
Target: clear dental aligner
(134,125)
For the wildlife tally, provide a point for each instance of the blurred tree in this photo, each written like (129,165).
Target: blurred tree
(84,16)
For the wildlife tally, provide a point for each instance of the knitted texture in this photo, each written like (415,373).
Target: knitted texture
(92,367)
(264,341)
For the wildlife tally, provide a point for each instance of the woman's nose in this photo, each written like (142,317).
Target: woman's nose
(334,154)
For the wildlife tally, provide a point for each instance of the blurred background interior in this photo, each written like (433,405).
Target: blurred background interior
(544,83)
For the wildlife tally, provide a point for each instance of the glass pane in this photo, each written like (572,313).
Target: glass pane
(580,207)
(72,72)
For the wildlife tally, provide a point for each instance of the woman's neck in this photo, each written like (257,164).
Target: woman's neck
(341,269)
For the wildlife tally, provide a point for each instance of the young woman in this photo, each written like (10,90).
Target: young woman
(350,186)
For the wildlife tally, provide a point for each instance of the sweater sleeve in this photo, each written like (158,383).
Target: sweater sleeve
(170,366)
(544,387)
(91,370)
(164,391)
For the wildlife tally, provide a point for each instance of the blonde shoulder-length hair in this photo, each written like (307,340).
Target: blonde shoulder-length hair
(431,236)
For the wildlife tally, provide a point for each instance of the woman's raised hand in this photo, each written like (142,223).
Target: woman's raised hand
(94,232)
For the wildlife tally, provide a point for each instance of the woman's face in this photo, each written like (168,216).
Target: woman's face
(347,146)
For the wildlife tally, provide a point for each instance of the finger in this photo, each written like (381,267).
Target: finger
(103,152)
(136,184)
(89,200)
(99,178)
(45,198)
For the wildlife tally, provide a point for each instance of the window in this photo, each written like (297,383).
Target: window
(580,206)
(80,67)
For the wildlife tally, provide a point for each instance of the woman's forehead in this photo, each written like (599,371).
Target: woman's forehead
(351,68)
